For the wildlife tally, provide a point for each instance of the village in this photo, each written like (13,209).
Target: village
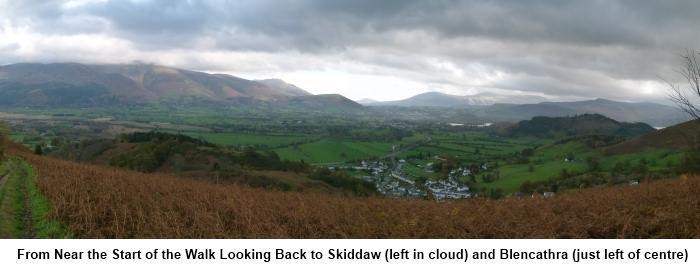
(390,179)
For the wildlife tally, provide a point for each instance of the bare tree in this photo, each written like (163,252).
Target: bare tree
(686,96)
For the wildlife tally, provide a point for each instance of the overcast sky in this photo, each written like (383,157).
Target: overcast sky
(384,50)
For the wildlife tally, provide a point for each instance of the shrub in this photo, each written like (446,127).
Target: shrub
(4,133)
(691,162)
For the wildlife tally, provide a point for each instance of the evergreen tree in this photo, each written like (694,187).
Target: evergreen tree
(38,150)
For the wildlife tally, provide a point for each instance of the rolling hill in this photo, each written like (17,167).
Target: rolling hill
(581,125)
(189,157)
(682,136)
(72,84)
(650,113)
(184,156)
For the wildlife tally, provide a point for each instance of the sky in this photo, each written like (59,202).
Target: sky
(382,50)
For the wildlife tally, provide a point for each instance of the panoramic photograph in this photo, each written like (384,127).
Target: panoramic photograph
(311,119)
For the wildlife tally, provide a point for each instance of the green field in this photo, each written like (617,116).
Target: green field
(548,162)
(472,146)
(334,151)
(658,160)
(512,176)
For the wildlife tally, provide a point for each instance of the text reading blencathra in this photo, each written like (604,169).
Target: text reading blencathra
(548,254)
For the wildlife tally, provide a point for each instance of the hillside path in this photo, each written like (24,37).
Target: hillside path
(13,186)
(27,217)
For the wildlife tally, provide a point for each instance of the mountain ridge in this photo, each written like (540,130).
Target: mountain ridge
(439,99)
(92,85)
(496,108)
(34,84)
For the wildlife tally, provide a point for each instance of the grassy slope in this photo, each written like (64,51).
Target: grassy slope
(106,203)
(512,176)
(190,160)
(40,206)
(549,164)
(683,136)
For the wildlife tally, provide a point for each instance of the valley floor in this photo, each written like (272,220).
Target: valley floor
(100,202)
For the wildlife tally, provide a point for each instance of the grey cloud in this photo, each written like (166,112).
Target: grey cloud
(320,24)
(573,48)
(154,17)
